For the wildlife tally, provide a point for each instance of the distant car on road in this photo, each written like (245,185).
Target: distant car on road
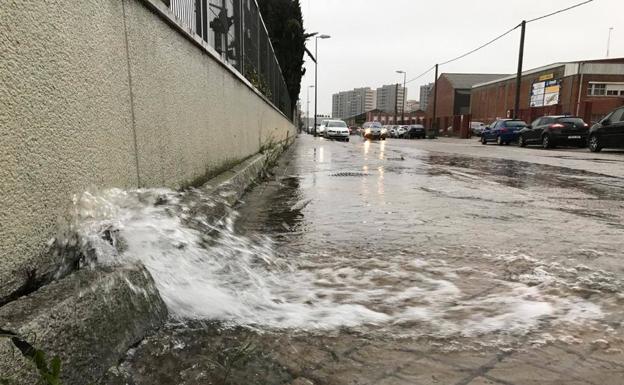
(415,131)
(608,132)
(502,131)
(373,130)
(321,128)
(337,129)
(477,128)
(400,132)
(555,130)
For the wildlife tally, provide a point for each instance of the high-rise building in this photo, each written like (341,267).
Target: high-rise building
(425,92)
(346,104)
(390,98)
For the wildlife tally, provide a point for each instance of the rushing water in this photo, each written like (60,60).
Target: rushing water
(205,270)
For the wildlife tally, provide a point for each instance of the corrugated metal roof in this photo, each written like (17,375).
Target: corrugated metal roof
(466,81)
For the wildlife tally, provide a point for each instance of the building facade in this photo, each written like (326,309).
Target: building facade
(453,96)
(412,105)
(425,91)
(390,98)
(588,89)
(383,117)
(346,104)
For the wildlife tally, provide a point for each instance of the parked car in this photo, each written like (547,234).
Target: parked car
(477,128)
(415,131)
(337,129)
(400,132)
(320,130)
(392,132)
(608,132)
(373,130)
(555,130)
(502,131)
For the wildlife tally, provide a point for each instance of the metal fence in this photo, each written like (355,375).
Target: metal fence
(234,28)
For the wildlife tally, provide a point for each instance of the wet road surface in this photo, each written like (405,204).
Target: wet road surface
(405,262)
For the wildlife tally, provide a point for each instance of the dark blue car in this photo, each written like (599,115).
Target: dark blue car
(502,131)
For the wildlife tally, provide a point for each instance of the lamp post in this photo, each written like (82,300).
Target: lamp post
(404,95)
(316,77)
(609,41)
(308,111)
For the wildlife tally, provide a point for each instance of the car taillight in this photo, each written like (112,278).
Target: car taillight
(557,125)
(585,125)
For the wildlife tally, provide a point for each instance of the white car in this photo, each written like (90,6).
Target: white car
(401,131)
(477,128)
(337,129)
(320,130)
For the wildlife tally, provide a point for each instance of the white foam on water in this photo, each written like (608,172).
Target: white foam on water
(221,275)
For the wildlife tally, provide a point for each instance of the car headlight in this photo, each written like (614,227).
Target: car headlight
(368,131)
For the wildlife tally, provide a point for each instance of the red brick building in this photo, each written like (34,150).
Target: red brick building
(413,117)
(588,89)
(453,98)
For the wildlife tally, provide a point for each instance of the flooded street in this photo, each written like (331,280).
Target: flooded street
(396,262)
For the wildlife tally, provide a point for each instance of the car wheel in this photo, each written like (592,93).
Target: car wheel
(594,144)
(546,142)
(483,140)
(521,141)
(499,141)
(346,140)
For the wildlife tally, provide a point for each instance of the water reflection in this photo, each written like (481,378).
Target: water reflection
(382,150)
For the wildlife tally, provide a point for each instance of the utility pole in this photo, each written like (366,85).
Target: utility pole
(516,114)
(434,124)
(315,81)
(396,102)
(609,41)
(316,76)
(308,111)
(404,95)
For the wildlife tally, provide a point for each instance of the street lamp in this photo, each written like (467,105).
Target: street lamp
(308,111)
(404,95)
(609,41)
(316,76)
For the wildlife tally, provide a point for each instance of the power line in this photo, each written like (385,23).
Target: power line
(500,37)
(481,46)
(559,11)
(421,75)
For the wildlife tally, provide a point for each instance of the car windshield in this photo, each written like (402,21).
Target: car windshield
(515,123)
(337,124)
(375,125)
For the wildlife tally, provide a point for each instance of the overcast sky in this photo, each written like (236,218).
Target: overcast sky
(370,40)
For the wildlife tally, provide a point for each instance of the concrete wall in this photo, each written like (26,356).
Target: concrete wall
(106,93)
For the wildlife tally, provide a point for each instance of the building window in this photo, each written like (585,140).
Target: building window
(597,89)
(605,89)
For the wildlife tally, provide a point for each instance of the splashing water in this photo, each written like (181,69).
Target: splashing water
(205,271)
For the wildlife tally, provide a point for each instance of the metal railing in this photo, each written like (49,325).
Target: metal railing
(235,29)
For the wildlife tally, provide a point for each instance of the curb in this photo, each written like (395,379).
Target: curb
(92,317)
